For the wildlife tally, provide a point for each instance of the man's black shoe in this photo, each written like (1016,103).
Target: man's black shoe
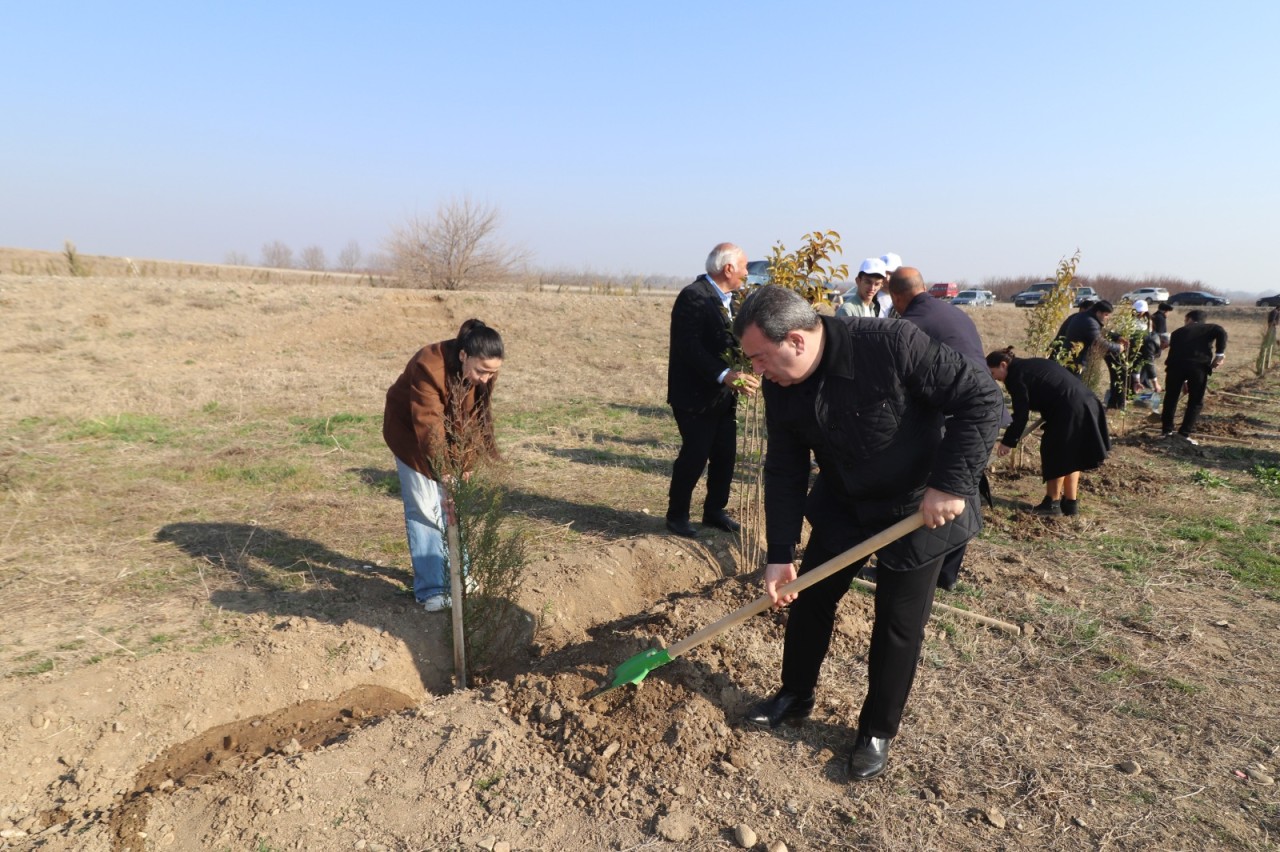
(682,528)
(721,521)
(784,706)
(869,757)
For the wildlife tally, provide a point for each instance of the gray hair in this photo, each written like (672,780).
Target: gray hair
(776,311)
(721,255)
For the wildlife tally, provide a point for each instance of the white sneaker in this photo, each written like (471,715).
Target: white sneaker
(1190,440)
(437,603)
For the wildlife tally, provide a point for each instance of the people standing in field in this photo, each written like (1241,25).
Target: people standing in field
(1195,351)
(867,399)
(702,390)
(438,423)
(1075,436)
(861,300)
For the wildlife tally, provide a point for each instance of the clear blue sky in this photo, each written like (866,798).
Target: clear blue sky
(973,139)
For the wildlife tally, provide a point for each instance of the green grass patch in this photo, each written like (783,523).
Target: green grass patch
(1255,568)
(337,430)
(34,668)
(1126,555)
(1268,476)
(486,783)
(125,428)
(1194,532)
(1183,686)
(1208,479)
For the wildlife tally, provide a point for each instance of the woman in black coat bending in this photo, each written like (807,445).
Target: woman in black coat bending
(1075,424)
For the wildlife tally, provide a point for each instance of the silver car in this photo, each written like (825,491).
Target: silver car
(975,298)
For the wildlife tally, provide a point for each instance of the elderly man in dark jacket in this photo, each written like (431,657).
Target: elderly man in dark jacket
(702,390)
(868,399)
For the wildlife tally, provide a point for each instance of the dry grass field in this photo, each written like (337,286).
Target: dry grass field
(206,605)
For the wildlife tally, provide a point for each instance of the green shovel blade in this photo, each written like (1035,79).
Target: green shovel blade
(634,669)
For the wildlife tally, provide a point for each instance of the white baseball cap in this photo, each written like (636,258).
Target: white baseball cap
(891,261)
(873,266)
(1140,306)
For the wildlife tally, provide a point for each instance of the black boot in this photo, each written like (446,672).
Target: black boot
(1048,509)
(784,706)
(1070,507)
(869,757)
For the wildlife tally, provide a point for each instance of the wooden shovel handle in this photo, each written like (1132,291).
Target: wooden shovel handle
(804,581)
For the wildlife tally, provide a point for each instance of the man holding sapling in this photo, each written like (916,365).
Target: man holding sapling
(702,390)
(868,400)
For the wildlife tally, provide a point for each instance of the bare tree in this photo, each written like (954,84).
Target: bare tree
(457,247)
(236,258)
(312,257)
(349,257)
(277,255)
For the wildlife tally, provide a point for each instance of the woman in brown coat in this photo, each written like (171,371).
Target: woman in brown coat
(438,423)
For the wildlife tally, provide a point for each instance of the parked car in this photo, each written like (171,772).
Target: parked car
(1031,296)
(1148,294)
(757,273)
(1197,297)
(1269,301)
(1083,294)
(944,290)
(975,298)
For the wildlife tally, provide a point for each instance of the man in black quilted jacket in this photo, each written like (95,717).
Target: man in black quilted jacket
(867,398)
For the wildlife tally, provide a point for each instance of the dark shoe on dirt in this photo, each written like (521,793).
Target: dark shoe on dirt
(869,757)
(1070,507)
(721,521)
(1048,509)
(784,706)
(682,528)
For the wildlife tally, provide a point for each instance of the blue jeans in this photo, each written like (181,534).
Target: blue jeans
(424,521)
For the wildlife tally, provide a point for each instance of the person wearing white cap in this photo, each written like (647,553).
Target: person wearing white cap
(860,301)
(891,264)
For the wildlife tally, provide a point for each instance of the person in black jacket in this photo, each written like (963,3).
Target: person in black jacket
(1075,424)
(867,398)
(702,391)
(1195,351)
(1084,330)
(945,323)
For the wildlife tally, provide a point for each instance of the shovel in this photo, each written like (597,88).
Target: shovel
(635,669)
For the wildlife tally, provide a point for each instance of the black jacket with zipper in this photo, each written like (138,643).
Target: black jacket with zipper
(872,414)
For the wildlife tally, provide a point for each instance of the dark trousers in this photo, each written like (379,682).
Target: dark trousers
(1197,378)
(903,601)
(1119,384)
(708,439)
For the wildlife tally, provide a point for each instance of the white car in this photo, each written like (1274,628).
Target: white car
(1149,294)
